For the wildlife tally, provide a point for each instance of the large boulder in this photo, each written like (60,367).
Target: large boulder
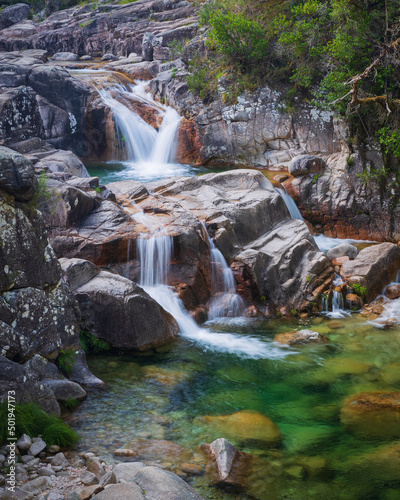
(116,310)
(159,484)
(305,164)
(17,175)
(15,377)
(373,268)
(13,14)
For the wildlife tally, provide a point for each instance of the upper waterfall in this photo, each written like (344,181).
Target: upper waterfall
(149,153)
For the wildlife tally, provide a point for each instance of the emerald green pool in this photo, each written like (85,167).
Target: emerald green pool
(161,395)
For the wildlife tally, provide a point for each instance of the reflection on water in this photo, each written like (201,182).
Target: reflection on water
(163,395)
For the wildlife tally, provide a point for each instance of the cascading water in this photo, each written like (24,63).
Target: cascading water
(150,154)
(155,253)
(324,243)
(337,307)
(226,303)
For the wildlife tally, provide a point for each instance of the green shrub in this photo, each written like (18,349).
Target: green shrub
(32,420)
(70,403)
(238,39)
(359,290)
(90,343)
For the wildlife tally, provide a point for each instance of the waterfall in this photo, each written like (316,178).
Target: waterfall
(324,243)
(226,303)
(290,203)
(154,253)
(337,310)
(150,154)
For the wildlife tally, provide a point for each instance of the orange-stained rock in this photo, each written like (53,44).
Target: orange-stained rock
(281,178)
(353,302)
(189,145)
(300,337)
(372,414)
(244,425)
(164,376)
(339,261)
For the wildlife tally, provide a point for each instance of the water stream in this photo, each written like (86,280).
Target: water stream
(233,364)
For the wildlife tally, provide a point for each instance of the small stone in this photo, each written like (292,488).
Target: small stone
(86,58)
(54,448)
(108,478)
(88,478)
(46,471)
(37,447)
(26,459)
(2,480)
(88,492)
(37,486)
(72,495)
(94,465)
(59,460)
(24,442)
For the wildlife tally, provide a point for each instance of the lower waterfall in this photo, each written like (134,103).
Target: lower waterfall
(155,253)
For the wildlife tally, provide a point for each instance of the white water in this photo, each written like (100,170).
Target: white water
(324,243)
(150,154)
(155,253)
(226,303)
(391,309)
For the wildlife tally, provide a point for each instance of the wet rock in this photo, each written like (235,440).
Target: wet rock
(300,337)
(65,389)
(305,164)
(344,249)
(191,469)
(373,268)
(245,425)
(381,465)
(17,175)
(127,471)
(353,302)
(65,56)
(160,484)
(372,414)
(124,452)
(13,14)
(392,292)
(165,376)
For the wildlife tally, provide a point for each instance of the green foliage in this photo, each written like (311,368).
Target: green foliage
(373,174)
(238,39)
(43,195)
(90,343)
(59,433)
(70,403)
(32,420)
(350,161)
(316,177)
(97,189)
(176,47)
(359,290)
(66,360)
(390,141)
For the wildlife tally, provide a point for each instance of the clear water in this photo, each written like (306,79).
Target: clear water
(164,393)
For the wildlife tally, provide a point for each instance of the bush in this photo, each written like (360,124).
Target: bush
(238,39)
(66,360)
(30,419)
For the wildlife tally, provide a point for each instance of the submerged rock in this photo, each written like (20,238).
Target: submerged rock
(159,449)
(244,425)
(372,414)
